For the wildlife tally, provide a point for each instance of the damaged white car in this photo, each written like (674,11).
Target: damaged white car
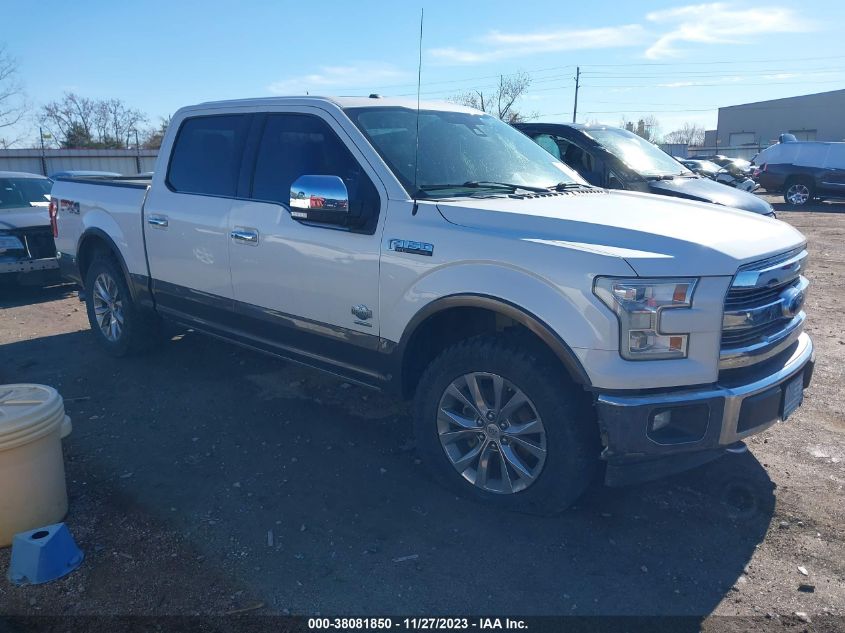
(27,250)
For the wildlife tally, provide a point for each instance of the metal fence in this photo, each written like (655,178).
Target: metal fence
(121,161)
(742,151)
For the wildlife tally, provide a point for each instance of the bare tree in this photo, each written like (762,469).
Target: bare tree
(646,127)
(77,121)
(502,101)
(153,137)
(13,103)
(689,134)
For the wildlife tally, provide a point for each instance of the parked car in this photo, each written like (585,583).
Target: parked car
(83,173)
(614,158)
(738,165)
(539,324)
(705,168)
(27,251)
(803,171)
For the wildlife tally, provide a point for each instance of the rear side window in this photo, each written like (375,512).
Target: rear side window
(294,145)
(206,156)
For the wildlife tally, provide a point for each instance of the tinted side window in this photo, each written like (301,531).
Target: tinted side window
(295,145)
(206,156)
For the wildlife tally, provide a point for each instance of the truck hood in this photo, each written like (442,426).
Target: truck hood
(706,190)
(24,217)
(656,235)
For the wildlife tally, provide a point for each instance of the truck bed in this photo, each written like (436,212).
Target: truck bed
(111,207)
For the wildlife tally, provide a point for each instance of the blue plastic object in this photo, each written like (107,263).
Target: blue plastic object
(43,554)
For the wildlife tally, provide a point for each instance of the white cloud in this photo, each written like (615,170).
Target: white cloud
(781,76)
(355,77)
(719,23)
(496,45)
(703,82)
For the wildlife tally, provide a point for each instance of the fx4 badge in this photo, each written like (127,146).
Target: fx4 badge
(409,246)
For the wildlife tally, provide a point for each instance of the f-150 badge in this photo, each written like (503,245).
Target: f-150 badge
(409,246)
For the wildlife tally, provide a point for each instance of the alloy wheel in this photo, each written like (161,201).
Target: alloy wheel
(108,307)
(491,433)
(798,194)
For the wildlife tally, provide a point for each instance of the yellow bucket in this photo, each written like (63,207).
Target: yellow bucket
(33,491)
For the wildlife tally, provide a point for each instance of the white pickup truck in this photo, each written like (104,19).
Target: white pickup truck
(542,327)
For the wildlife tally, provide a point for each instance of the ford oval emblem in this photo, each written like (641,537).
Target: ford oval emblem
(792,300)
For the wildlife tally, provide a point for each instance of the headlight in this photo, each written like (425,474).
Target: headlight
(638,304)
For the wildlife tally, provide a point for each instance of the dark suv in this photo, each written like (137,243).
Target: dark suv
(803,171)
(614,158)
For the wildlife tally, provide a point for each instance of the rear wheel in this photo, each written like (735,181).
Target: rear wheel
(495,423)
(116,321)
(798,192)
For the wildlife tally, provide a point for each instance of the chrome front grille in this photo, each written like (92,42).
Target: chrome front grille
(763,309)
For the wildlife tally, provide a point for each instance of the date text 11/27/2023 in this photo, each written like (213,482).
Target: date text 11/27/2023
(417,623)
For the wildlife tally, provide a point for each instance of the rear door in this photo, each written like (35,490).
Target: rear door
(832,180)
(186,218)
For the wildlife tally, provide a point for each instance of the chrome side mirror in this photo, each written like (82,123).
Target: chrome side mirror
(319,199)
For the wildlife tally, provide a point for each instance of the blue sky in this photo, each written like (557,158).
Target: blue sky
(678,61)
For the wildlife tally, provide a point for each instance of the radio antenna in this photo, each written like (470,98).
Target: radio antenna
(419,80)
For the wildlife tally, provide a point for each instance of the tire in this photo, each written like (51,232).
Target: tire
(552,479)
(119,326)
(798,192)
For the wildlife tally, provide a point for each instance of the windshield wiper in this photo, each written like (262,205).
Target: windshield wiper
(509,185)
(565,186)
(480,184)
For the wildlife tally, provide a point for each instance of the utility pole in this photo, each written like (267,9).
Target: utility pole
(577,85)
(137,153)
(43,157)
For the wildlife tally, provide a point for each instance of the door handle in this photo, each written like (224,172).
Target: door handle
(245,236)
(158,221)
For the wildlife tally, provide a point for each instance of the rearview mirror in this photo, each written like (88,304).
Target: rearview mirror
(319,199)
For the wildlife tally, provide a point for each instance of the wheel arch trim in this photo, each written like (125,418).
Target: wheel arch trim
(506,308)
(98,233)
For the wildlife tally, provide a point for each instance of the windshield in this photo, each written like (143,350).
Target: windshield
(24,192)
(459,152)
(643,157)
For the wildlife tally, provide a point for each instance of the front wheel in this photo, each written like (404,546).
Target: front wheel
(116,321)
(798,192)
(498,424)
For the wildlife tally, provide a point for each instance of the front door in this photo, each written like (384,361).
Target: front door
(311,289)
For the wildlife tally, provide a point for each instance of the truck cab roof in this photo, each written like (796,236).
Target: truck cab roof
(373,101)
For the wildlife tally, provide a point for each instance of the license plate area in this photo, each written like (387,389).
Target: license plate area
(793,396)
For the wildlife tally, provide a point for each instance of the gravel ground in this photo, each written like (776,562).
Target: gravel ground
(205,479)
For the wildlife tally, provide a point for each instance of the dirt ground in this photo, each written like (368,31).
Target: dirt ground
(206,479)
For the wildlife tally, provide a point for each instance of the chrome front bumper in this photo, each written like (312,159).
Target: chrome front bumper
(627,421)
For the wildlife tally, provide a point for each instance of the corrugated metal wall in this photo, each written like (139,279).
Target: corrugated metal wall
(122,161)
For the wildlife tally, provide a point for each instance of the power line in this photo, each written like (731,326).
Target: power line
(803,73)
(720,85)
(744,61)
(624,65)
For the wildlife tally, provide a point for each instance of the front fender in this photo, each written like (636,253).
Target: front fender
(572,314)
